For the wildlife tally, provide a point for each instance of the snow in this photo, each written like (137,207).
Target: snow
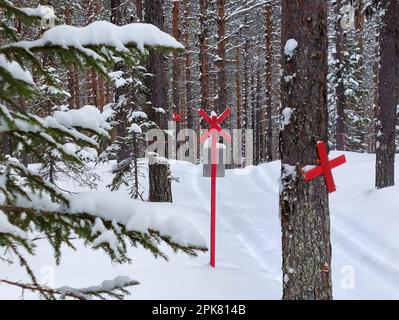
(364,225)
(87,117)
(119,80)
(16,70)
(159,110)
(109,238)
(103,33)
(136,215)
(44,12)
(286,117)
(108,285)
(7,227)
(139,115)
(135,128)
(290,46)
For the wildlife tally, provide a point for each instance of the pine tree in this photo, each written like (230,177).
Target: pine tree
(304,209)
(29,203)
(388,94)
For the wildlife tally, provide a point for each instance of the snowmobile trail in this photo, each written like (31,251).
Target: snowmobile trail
(364,225)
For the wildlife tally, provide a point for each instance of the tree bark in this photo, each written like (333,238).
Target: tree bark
(340,130)
(71,67)
(269,71)
(238,88)
(101,92)
(188,66)
(245,85)
(221,60)
(304,208)
(388,96)
(204,74)
(139,10)
(160,181)
(122,112)
(176,60)
(156,66)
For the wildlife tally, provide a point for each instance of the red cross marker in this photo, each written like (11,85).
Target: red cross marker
(325,167)
(214,130)
(177,117)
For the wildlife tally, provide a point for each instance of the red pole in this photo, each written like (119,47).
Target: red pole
(213,198)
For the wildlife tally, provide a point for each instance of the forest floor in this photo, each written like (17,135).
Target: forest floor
(365,239)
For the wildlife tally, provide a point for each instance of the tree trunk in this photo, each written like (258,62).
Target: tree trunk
(188,66)
(258,149)
(221,61)
(94,87)
(304,209)
(77,87)
(245,101)
(159,173)
(160,180)
(139,10)
(238,88)
(340,132)
(70,68)
(269,71)
(121,115)
(388,96)
(204,74)
(156,66)
(101,92)
(176,60)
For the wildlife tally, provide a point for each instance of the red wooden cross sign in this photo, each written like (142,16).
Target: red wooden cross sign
(325,167)
(214,131)
(177,117)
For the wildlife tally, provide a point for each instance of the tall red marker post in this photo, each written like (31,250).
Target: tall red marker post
(213,132)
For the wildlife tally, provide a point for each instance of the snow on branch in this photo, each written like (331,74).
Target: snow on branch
(43,12)
(134,215)
(115,288)
(15,70)
(249,5)
(102,33)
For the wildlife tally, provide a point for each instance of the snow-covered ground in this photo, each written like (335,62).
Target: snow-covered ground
(365,239)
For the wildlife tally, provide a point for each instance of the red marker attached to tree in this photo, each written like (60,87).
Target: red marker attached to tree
(214,131)
(177,117)
(325,167)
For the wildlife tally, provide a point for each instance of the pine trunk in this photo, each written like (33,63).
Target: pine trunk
(176,60)
(340,132)
(70,68)
(156,66)
(139,10)
(101,92)
(122,112)
(304,208)
(221,60)
(204,74)
(388,96)
(160,181)
(188,66)
(238,88)
(269,118)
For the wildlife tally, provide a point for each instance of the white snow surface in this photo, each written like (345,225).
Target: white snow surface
(44,12)
(290,47)
(87,117)
(365,239)
(16,70)
(104,33)
(7,227)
